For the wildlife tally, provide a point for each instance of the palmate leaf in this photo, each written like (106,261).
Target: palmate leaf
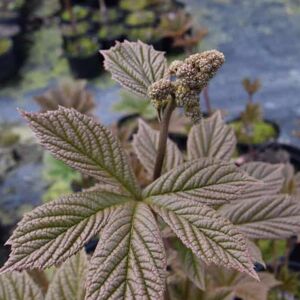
(129,261)
(272,217)
(84,145)
(270,175)
(135,65)
(69,281)
(53,232)
(211,138)
(205,180)
(211,238)
(19,286)
(145,144)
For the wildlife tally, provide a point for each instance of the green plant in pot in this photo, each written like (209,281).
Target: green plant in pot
(109,34)
(79,13)
(83,56)
(144,34)
(251,128)
(136,5)
(175,24)
(81,29)
(83,47)
(140,18)
(111,16)
(5,45)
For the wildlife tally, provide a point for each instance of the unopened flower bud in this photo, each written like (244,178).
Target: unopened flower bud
(160,89)
(207,62)
(192,110)
(174,66)
(160,92)
(184,95)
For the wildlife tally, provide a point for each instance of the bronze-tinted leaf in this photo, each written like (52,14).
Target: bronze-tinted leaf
(205,180)
(53,232)
(272,217)
(135,65)
(211,237)
(211,138)
(69,281)
(84,145)
(129,261)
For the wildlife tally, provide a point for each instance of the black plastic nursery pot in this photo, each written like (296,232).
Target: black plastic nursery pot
(167,45)
(246,147)
(8,64)
(108,43)
(293,152)
(86,67)
(112,3)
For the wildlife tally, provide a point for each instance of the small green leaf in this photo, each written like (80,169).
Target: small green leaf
(145,144)
(135,65)
(129,261)
(53,232)
(83,144)
(205,180)
(211,138)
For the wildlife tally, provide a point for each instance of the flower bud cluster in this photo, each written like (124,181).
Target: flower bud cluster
(160,92)
(190,77)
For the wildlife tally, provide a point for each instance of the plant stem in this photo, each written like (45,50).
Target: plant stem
(162,144)
(163,136)
(186,294)
(167,295)
(207,101)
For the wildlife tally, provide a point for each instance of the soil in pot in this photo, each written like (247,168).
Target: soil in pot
(7,59)
(84,58)
(140,19)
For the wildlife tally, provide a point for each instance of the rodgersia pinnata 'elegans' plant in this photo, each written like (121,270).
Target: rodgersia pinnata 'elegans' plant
(212,207)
